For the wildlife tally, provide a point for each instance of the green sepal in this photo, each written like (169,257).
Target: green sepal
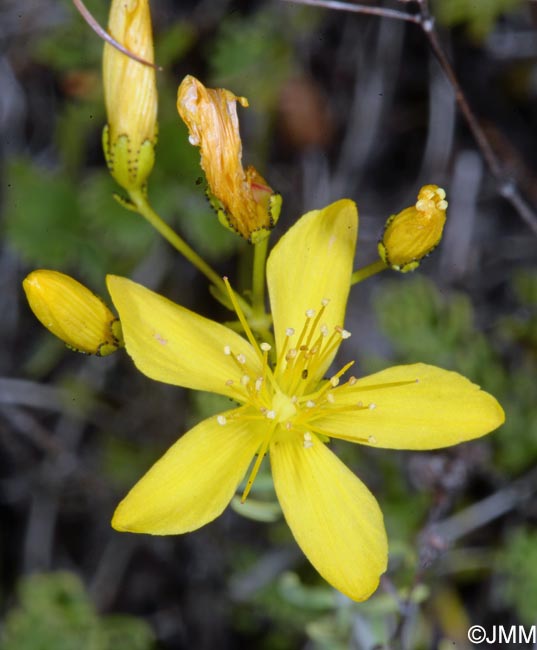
(129,168)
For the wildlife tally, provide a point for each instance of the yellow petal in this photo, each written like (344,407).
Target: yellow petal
(310,263)
(335,519)
(193,482)
(172,344)
(412,407)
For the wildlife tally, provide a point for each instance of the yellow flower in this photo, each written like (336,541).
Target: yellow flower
(242,198)
(130,94)
(288,408)
(415,232)
(72,312)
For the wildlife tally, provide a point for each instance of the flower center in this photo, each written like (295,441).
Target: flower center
(289,394)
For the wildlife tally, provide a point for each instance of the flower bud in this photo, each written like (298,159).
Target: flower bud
(73,313)
(243,200)
(415,232)
(130,95)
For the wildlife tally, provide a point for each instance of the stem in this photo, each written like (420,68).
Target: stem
(258,276)
(367,271)
(147,212)
(507,187)
(359,9)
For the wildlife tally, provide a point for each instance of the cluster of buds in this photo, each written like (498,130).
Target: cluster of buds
(243,200)
(130,94)
(73,313)
(416,231)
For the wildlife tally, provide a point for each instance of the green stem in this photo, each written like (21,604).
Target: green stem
(142,206)
(368,271)
(258,276)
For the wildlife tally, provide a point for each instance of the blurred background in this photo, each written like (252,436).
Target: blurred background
(340,105)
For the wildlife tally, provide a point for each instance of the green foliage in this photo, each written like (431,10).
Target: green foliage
(55,224)
(478,16)
(252,57)
(55,611)
(426,325)
(72,44)
(518,561)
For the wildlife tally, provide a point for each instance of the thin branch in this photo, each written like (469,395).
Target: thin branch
(359,9)
(102,33)
(507,187)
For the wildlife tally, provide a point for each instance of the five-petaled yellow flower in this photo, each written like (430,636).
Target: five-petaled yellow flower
(289,408)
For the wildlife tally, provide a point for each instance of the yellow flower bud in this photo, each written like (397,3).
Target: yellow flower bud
(415,232)
(243,200)
(130,94)
(73,313)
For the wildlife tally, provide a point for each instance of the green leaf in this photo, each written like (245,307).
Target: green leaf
(478,16)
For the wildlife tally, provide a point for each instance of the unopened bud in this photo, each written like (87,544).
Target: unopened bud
(73,313)
(415,232)
(130,94)
(243,200)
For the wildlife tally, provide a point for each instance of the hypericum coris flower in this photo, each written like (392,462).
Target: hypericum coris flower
(130,95)
(287,407)
(72,312)
(414,232)
(242,198)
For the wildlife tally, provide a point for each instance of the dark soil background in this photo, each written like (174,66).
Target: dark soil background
(341,105)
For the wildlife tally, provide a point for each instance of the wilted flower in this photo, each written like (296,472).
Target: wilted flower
(131,95)
(414,232)
(288,408)
(242,198)
(72,312)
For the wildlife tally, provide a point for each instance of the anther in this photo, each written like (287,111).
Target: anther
(241,359)
(372,406)
(222,420)
(345,334)
(310,313)
(229,382)
(271,415)
(245,380)
(258,384)
(330,398)
(289,331)
(372,440)
(266,347)
(227,350)
(325,301)
(308,440)
(352,380)
(310,404)
(334,381)
(324,330)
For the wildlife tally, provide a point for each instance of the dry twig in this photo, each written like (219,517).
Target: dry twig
(507,187)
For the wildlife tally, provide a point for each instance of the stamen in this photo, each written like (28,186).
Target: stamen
(260,454)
